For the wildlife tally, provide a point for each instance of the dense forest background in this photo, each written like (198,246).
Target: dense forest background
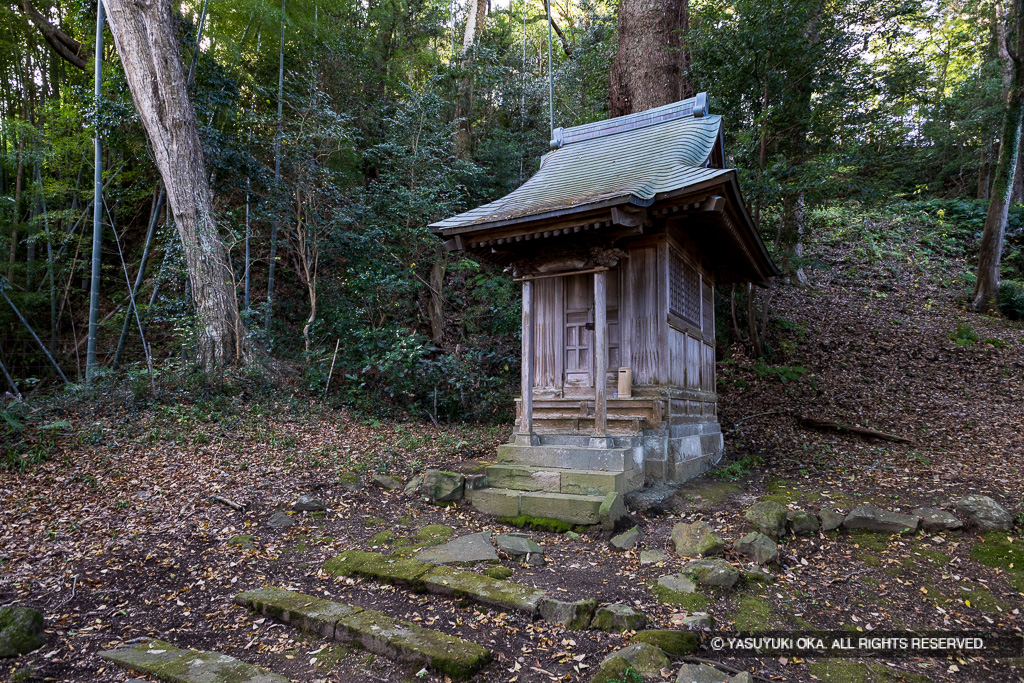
(336,131)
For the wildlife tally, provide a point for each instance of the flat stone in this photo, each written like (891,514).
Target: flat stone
(802,523)
(933,519)
(307,503)
(696,540)
(21,630)
(386,482)
(627,539)
(436,579)
(678,583)
(673,643)
(463,550)
(483,589)
(404,571)
(758,547)
(573,615)
(873,519)
(694,622)
(702,673)
(985,513)
(768,517)
(443,487)
(713,571)
(614,670)
(375,631)
(168,663)
(644,658)
(520,548)
(830,519)
(617,619)
(652,556)
(280,520)
(414,485)
(349,481)
(655,499)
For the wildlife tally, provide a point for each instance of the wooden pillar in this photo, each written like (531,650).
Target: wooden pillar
(526,423)
(600,354)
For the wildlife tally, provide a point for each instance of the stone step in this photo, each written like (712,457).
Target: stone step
(565,507)
(553,479)
(567,457)
(168,663)
(424,576)
(377,632)
(569,424)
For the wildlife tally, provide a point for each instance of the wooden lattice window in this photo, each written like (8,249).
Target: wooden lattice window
(683,289)
(708,308)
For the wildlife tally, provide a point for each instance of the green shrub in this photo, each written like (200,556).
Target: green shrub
(1011,299)
(963,335)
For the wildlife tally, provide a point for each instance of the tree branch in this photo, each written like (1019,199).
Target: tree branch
(64,45)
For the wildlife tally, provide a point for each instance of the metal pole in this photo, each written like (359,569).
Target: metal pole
(551,78)
(97,205)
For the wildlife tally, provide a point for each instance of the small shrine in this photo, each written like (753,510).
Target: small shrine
(619,241)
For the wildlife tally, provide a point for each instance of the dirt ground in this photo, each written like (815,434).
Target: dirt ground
(115,536)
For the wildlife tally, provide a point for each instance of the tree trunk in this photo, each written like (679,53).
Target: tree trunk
(435,309)
(146,42)
(986,290)
(476,11)
(652,60)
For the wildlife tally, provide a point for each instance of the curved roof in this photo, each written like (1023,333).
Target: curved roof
(648,158)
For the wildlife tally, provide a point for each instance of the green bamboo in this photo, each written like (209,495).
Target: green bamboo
(97,206)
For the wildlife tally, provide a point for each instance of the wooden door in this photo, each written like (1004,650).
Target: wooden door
(579,333)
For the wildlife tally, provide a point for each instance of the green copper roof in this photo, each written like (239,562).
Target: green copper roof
(631,159)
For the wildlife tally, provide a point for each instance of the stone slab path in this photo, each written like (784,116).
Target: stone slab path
(375,631)
(436,579)
(168,663)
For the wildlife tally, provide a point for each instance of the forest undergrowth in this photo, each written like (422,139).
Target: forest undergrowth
(108,526)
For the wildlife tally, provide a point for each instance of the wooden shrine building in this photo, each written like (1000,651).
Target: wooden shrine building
(619,241)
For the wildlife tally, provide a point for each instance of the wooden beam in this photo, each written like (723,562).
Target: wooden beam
(526,424)
(600,354)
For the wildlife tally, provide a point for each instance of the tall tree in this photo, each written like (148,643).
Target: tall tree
(652,61)
(148,47)
(476,12)
(986,290)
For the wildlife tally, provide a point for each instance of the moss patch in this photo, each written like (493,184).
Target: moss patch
(539,524)
(498,572)
(691,602)
(870,540)
(374,521)
(330,655)
(243,541)
(434,532)
(752,613)
(845,671)
(385,537)
(713,491)
(784,492)
(997,551)
(674,643)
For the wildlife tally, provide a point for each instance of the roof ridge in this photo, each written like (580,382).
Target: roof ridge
(696,106)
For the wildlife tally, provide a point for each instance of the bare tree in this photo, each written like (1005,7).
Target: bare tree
(149,53)
(651,63)
(986,290)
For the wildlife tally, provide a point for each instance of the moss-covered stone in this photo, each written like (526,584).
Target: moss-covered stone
(349,480)
(768,517)
(752,613)
(498,572)
(21,630)
(573,615)
(242,541)
(696,540)
(483,589)
(168,663)
(646,659)
(402,570)
(674,643)
(554,526)
(374,521)
(375,631)
(616,670)
(691,602)
(618,619)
